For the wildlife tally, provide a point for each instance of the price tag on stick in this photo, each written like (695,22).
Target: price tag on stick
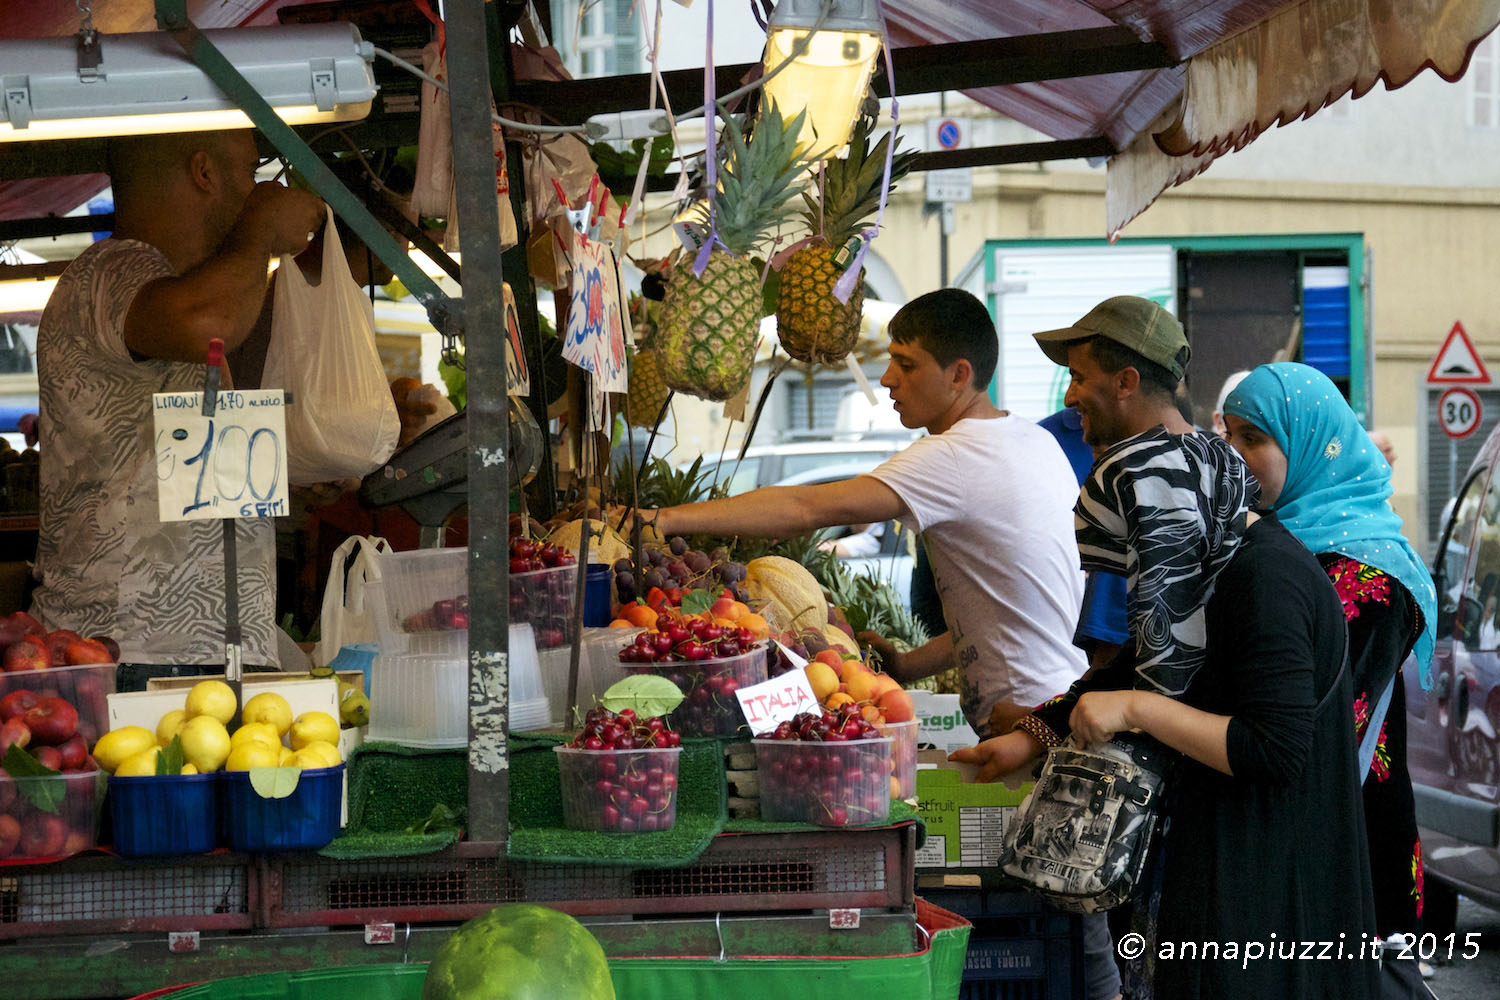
(228,465)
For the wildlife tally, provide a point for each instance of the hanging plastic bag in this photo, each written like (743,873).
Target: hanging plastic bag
(432,191)
(342,422)
(348,617)
(435,194)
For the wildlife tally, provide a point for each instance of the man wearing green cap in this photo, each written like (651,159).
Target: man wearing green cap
(1164,504)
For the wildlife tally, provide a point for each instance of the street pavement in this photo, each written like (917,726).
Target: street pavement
(1477,978)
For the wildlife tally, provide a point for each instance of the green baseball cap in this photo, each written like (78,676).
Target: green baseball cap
(1139,324)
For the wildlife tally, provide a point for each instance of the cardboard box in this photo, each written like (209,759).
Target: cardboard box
(965,821)
(942,722)
(303,692)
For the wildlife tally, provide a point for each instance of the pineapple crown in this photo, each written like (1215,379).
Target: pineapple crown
(849,189)
(756,181)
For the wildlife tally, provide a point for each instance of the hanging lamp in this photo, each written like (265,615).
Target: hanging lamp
(830,74)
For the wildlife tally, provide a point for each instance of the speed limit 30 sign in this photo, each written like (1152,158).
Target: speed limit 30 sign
(1459,412)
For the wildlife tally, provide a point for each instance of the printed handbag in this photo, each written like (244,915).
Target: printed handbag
(1081,837)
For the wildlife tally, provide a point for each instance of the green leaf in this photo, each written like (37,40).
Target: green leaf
(646,694)
(274,782)
(857,617)
(695,602)
(46,795)
(169,760)
(441,818)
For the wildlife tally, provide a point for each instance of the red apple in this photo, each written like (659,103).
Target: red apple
(7,790)
(43,836)
(9,633)
(51,721)
(14,731)
(74,751)
(57,642)
(81,651)
(10,835)
(16,703)
(48,757)
(27,623)
(109,644)
(27,653)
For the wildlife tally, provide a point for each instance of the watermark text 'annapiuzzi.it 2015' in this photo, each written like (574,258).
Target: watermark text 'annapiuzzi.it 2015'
(1366,947)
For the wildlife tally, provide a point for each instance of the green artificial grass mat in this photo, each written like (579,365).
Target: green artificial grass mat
(900,813)
(393,787)
(537,832)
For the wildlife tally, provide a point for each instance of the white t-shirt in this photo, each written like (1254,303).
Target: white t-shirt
(993,499)
(106,563)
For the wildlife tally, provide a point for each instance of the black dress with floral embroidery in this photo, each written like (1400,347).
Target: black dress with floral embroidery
(1383,625)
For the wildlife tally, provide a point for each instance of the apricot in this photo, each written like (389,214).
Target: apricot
(860,681)
(755,623)
(831,658)
(884,683)
(823,680)
(837,700)
(620,623)
(642,615)
(896,706)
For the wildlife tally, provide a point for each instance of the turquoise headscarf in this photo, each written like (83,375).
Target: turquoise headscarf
(1337,482)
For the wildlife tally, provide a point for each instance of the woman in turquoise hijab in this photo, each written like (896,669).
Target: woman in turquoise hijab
(1328,483)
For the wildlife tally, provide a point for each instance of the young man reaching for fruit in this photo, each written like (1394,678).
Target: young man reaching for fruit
(991,493)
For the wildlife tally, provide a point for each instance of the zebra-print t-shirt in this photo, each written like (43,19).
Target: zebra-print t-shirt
(105,561)
(1167,512)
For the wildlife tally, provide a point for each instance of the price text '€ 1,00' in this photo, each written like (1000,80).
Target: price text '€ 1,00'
(229,465)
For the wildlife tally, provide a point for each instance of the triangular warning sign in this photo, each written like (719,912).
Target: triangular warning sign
(1458,362)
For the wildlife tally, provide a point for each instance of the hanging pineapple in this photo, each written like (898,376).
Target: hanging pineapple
(811,322)
(707,329)
(647,390)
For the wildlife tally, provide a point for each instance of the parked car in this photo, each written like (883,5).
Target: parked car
(892,563)
(800,463)
(774,464)
(1453,751)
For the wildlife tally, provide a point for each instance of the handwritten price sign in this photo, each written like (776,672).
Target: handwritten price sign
(232,464)
(777,700)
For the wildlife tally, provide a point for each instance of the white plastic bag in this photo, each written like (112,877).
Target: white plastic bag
(342,422)
(347,616)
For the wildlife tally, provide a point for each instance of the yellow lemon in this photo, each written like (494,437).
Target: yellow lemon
(141,765)
(169,725)
(117,744)
(213,698)
(205,743)
(286,755)
(263,731)
(268,706)
(310,726)
(252,753)
(188,768)
(326,751)
(308,759)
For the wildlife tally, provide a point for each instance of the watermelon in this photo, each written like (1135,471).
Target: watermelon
(519,951)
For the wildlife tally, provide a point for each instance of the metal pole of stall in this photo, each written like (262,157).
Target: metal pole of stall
(502,82)
(489,432)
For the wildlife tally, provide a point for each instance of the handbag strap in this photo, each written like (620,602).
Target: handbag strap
(1372,731)
(1334,687)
